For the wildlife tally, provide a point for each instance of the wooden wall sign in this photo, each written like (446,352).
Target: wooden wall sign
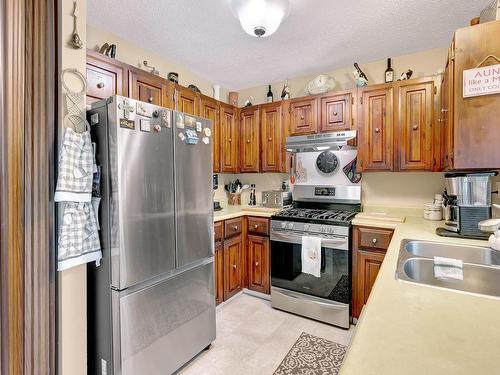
(481,81)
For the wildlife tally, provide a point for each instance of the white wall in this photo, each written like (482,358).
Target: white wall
(72,292)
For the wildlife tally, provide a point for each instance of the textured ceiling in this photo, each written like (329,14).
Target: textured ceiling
(318,35)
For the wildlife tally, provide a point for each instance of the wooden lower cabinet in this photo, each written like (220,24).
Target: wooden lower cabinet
(233,266)
(258,263)
(369,248)
(219,272)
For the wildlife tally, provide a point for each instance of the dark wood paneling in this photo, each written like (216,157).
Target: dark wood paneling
(233,266)
(210,110)
(258,225)
(258,263)
(336,112)
(375,128)
(229,138)
(249,139)
(233,227)
(476,130)
(271,129)
(415,124)
(304,115)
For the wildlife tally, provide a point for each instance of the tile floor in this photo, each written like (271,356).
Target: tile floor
(253,338)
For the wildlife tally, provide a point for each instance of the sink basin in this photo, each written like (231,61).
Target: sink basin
(481,266)
(468,254)
(477,279)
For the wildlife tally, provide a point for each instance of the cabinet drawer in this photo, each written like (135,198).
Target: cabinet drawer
(101,83)
(233,227)
(374,238)
(258,225)
(218,231)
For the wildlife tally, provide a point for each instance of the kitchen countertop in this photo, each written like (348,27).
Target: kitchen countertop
(414,329)
(230,212)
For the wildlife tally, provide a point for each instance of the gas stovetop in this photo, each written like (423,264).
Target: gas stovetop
(312,215)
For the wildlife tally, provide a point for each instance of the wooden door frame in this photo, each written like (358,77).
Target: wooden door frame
(28,108)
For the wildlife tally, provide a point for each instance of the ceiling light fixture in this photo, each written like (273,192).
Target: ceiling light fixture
(260,18)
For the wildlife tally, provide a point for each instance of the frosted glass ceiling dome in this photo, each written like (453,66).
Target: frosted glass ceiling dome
(260,18)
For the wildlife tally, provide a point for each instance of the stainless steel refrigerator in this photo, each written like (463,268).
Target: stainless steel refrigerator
(151,303)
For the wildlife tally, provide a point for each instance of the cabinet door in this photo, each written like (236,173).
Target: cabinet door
(148,88)
(447,113)
(336,112)
(258,263)
(229,138)
(104,79)
(271,141)
(376,133)
(367,267)
(233,266)
(210,110)
(249,139)
(219,272)
(186,100)
(415,118)
(304,116)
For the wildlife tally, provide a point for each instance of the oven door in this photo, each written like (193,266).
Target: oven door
(286,267)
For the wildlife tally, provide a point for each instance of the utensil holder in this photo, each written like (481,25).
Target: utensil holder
(234,199)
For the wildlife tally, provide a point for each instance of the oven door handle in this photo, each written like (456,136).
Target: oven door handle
(297,239)
(332,305)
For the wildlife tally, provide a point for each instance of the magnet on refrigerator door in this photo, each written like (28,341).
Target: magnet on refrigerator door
(189,121)
(205,140)
(145,125)
(181,136)
(208,132)
(198,126)
(191,137)
(179,120)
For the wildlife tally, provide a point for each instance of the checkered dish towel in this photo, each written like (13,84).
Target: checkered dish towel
(78,236)
(76,167)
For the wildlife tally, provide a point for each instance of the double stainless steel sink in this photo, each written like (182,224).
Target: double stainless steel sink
(481,266)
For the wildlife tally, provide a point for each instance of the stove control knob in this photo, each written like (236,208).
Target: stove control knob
(290,225)
(322,229)
(306,226)
(283,225)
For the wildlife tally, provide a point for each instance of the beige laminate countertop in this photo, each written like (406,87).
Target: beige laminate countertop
(231,212)
(414,329)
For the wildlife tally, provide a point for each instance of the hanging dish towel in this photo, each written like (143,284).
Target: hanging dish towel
(78,237)
(76,167)
(311,255)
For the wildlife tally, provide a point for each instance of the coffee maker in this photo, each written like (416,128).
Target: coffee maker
(467,201)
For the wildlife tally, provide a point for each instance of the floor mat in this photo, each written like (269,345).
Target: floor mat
(312,355)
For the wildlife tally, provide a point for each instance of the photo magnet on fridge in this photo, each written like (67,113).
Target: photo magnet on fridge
(127,124)
(179,120)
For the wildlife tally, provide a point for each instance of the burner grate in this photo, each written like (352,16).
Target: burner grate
(315,214)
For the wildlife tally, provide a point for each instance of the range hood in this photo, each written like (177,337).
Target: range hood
(319,142)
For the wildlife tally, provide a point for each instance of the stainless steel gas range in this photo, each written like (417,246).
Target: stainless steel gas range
(326,196)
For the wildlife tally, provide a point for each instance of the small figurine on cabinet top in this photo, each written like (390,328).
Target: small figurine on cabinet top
(360,78)
(406,75)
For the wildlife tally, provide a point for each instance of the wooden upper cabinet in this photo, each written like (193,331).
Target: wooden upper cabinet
(475,119)
(105,77)
(376,132)
(303,115)
(271,128)
(186,100)
(148,88)
(210,110)
(258,263)
(415,117)
(233,266)
(336,112)
(229,138)
(249,139)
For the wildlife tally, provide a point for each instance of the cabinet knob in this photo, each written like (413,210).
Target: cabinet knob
(234,266)
(440,119)
(248,140)
(100,85)
(444,110)
(335,113)
(256,264)
(415,127)
(256,226)
(302,117)
(377,130)
(150,99)
(269,139)
(235,227)
(374,241)
(229,140)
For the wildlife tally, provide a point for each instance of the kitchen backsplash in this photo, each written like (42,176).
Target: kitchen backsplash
(262,181)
